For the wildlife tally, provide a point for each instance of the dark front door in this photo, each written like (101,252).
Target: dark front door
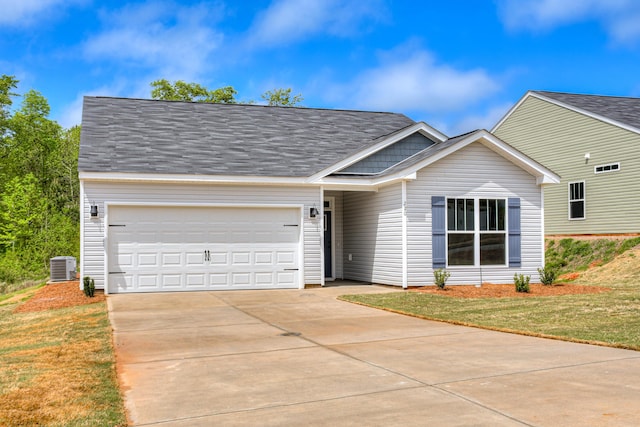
(328,256)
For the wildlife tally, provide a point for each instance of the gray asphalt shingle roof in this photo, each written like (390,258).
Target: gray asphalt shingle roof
(150,136)
(621,109)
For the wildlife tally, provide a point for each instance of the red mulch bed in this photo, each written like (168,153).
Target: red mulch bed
(490,290)
(58,295)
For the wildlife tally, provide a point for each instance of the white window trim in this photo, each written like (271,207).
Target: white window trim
(595,168)
(477,232)
(584,200)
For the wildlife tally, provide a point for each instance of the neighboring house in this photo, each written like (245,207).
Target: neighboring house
(593,143)
(183,196)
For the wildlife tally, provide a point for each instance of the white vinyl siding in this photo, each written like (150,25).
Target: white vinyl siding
(559,139)
(473,172)
(159,194)
(373,235)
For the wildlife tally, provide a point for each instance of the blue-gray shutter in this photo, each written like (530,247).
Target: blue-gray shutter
(515,252)
(438,232)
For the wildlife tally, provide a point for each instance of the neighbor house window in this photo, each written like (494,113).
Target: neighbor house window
(476,226)
(576,200)
(612,167)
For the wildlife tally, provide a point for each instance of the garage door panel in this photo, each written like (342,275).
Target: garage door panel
(196,281)
(264,279)
(146,281)
(219,258)
(263,258)
(172,259)
(286,278)
(148,259)
(240,258)
(286,258)
(240,279)
(122,261)
(184,248)
(171,281)
(194,258)
(219,279)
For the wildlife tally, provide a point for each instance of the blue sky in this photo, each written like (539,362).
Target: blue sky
(457,65)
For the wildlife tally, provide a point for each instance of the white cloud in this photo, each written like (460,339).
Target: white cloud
(174,41)
(288,21)
(414,81)
(25,12)
(486,119)
(620,18)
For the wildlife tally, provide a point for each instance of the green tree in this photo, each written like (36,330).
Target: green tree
(7,84)
(22,212)
(39,187)
(34,139)
(194,92)
(282,98)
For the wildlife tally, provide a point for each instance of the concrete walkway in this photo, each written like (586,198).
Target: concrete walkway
(300,357)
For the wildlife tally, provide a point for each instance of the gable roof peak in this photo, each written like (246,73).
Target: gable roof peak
(618,110)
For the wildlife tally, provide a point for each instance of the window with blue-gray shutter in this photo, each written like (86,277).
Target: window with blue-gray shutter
(438,232)
(515,254)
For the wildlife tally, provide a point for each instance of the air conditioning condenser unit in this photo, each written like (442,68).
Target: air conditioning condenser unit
(62,268)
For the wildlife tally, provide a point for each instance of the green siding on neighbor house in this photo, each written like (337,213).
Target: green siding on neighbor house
(559,138)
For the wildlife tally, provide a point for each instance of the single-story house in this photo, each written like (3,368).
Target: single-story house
(180,196)
(593,143)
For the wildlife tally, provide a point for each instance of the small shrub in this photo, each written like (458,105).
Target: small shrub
(89,286)
(521,282)
(440,275)
(548,275)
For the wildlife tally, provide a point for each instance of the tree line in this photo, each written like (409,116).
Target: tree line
(39,186)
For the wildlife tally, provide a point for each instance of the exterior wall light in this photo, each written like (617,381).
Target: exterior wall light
(313,212)
(94,210)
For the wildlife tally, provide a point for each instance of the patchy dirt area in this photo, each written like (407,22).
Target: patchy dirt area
(58,295)
(490,290)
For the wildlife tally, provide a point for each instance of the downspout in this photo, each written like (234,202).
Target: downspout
(321,230)
(81,233)
(405,273)
(542,225)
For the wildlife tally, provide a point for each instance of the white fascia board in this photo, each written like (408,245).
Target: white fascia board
(421,127)
(193,179)
(542,174)
(365,184)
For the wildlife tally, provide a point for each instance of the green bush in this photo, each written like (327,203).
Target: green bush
(15,268)
(548,275)
(521,282)
(440,277)
(88,286)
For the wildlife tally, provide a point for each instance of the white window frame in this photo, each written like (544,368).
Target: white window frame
(583,200)
(477,232)
(609,165)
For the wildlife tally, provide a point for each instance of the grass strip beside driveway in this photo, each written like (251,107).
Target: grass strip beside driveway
(57,368)
(610,318)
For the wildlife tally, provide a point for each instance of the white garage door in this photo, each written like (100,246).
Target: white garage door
(155,249)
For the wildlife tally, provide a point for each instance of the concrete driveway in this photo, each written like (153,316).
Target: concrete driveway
(300,357)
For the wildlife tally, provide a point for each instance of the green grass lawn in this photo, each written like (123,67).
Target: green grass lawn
(57,368)
(610,318)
